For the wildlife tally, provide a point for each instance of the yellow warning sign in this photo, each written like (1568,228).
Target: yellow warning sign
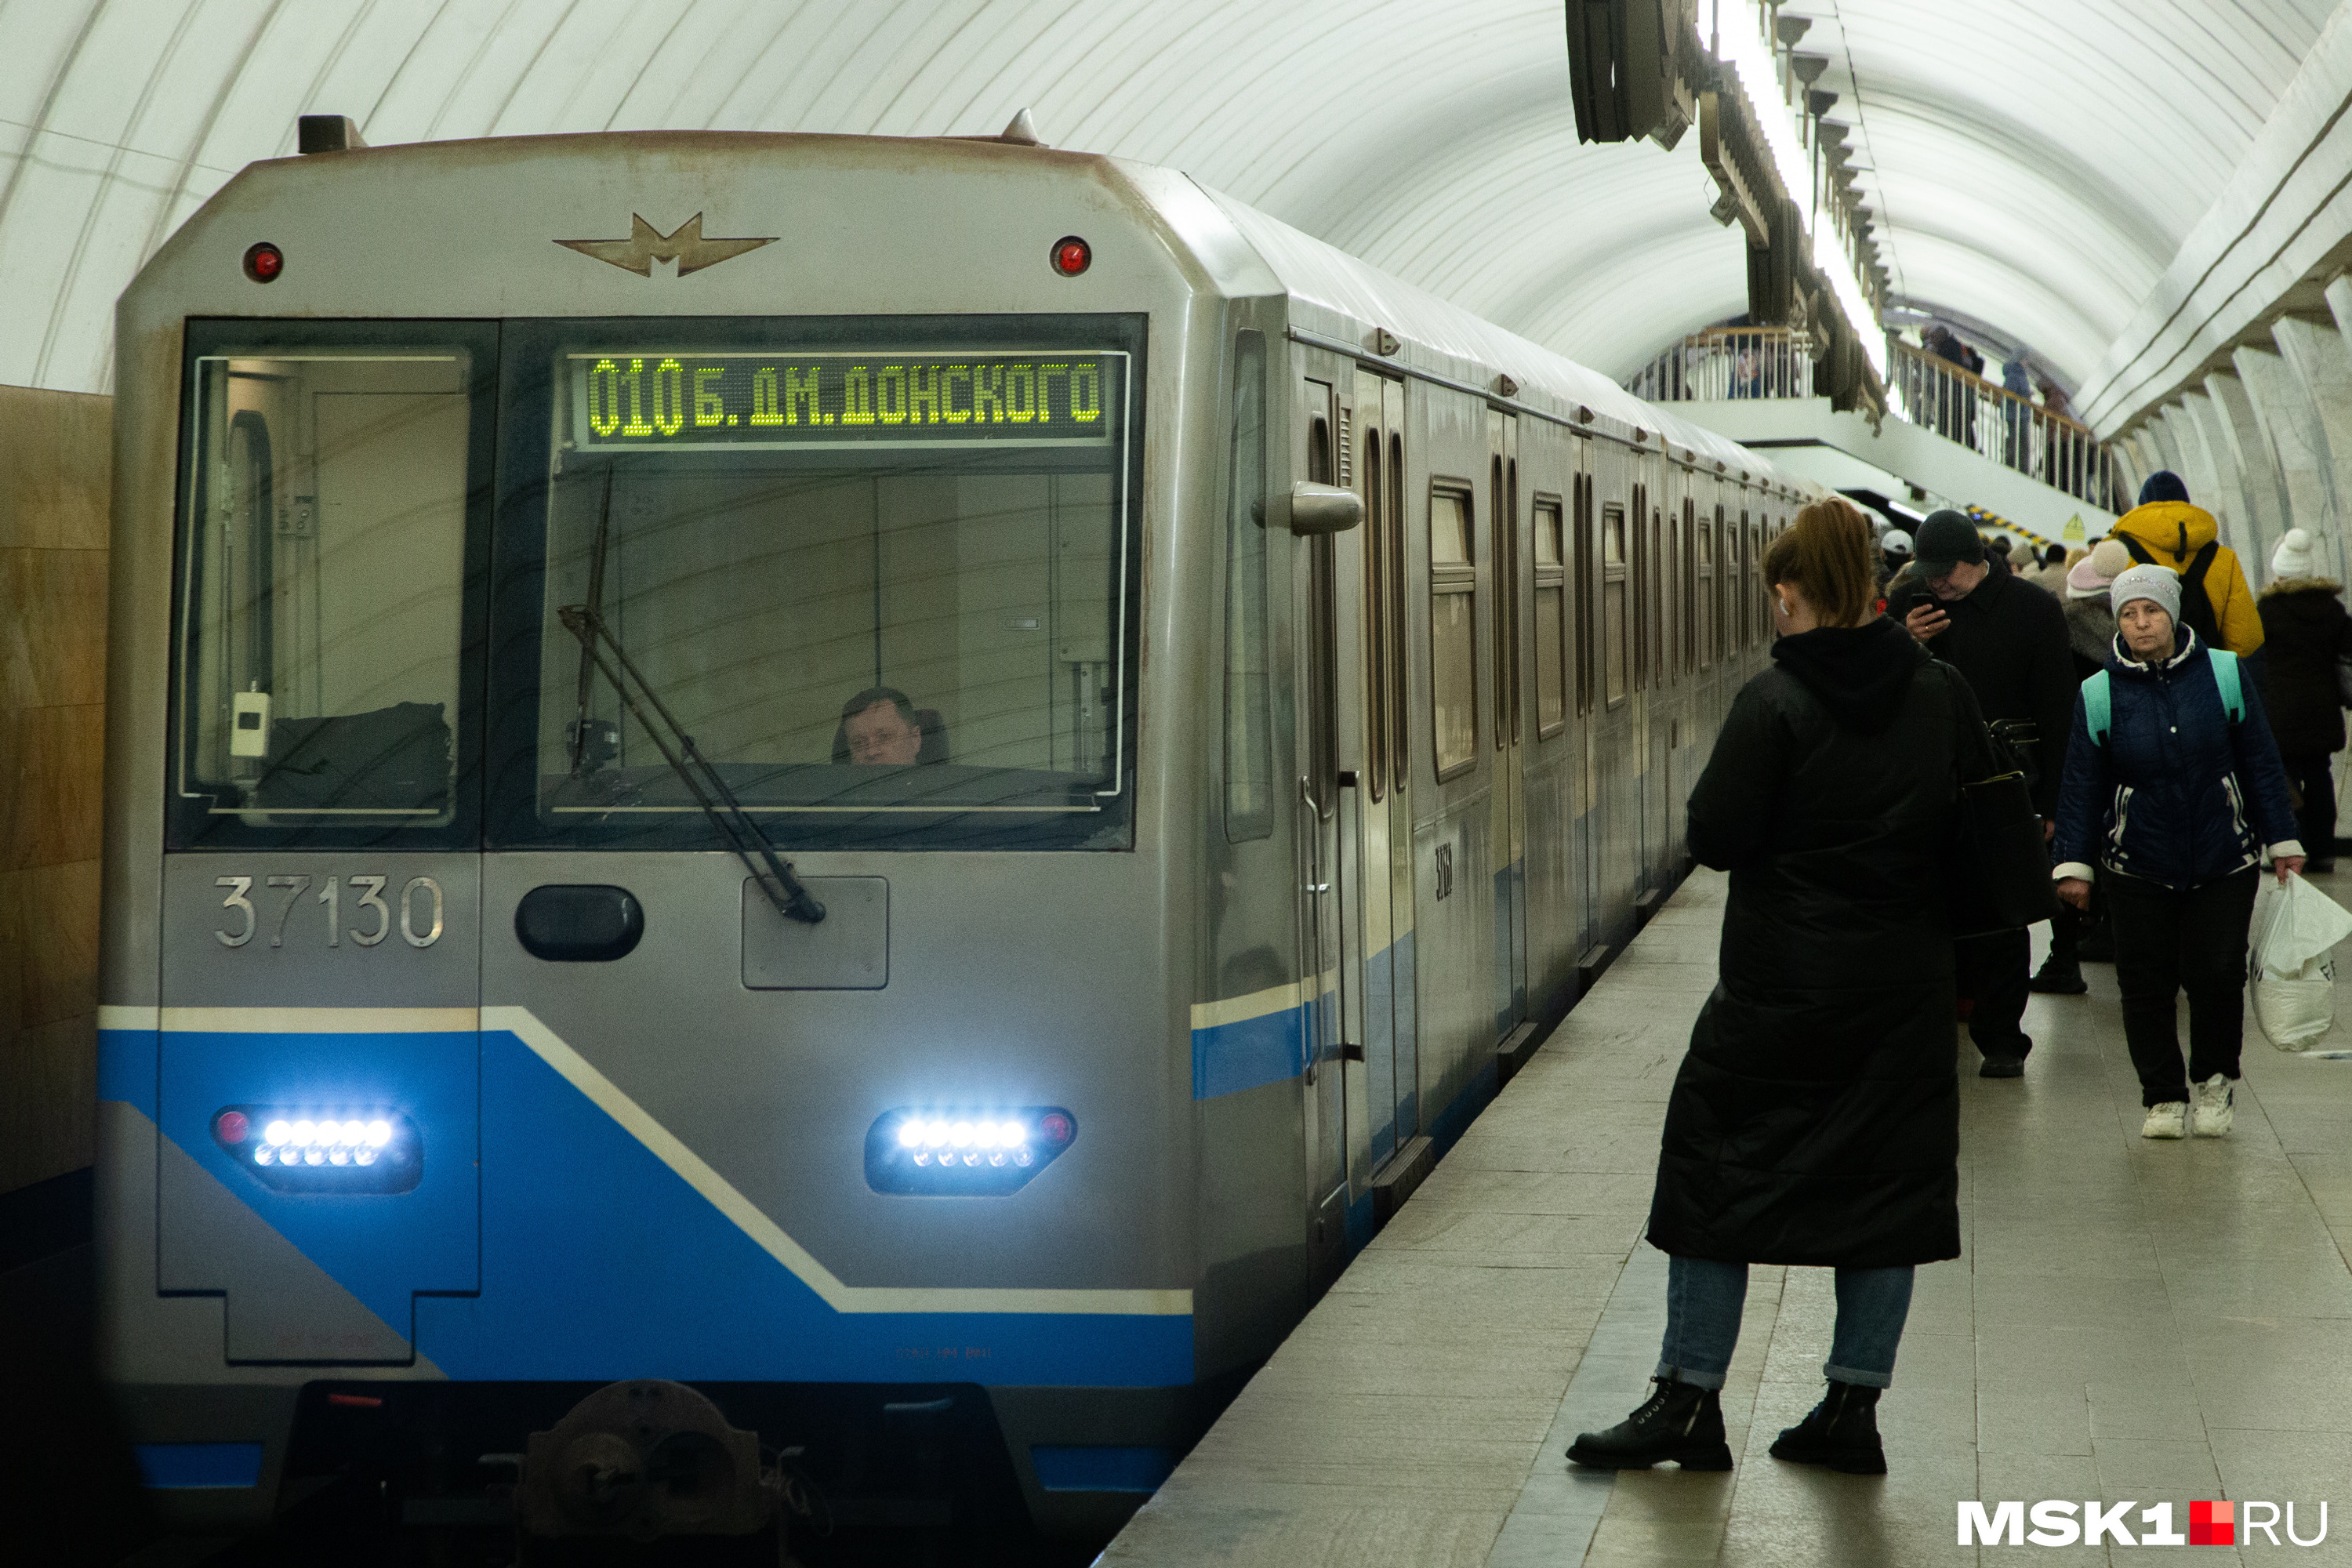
(2073,532)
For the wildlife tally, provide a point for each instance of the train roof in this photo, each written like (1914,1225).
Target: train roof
(1340,296)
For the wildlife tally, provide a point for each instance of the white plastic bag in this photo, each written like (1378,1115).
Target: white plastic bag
(2291,968)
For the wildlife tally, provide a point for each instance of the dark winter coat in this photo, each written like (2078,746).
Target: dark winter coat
(1816,1117)
(2090,634)
(2305,632)
(2179,795)
(2010,640)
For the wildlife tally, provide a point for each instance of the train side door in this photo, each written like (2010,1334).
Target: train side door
(1584,639)
(1333,990)
(1368,604)
(1509,796)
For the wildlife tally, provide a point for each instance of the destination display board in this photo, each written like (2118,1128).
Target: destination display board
(656,400)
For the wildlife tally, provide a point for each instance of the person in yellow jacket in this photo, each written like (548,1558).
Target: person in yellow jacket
(2164,529)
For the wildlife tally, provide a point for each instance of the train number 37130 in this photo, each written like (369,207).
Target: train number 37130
(421,898)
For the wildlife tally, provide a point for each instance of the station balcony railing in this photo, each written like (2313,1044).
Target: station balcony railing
(1725,363)
(1730,363)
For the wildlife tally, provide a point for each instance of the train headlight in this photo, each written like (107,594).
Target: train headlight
(339,1149)
(964,1153)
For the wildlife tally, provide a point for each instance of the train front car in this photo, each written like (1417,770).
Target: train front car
(514,540)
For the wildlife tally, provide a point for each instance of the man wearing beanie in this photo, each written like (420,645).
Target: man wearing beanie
(2164,529)
(2009,640)
(2305,632)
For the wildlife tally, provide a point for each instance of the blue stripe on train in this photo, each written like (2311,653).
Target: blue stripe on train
(598,1261)
(126,1068)
(1230,1057)
(198,1467)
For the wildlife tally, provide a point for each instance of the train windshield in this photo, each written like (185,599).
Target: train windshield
(881,589)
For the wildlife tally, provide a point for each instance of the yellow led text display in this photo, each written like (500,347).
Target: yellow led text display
(681,400)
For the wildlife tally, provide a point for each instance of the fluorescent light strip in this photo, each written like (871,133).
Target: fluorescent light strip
(1753,61)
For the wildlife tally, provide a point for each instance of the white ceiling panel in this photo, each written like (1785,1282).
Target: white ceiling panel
(2032,165)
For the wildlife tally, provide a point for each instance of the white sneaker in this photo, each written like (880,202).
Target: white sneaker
(2166,1120)
(2214,1099)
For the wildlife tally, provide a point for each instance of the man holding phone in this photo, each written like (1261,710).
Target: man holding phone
(2009,641)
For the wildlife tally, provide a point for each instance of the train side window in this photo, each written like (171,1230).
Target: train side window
(1249,743)
(1613,601)
(1452,633)
(1400,687)
(1738,585)
(1690,585)
(1506,551)
(1755,584)
(1511,608)
(1580,542)
(1376,651)
(1551,624)
(1706,575)
(1661,604)
(1319,694)
(1636,595)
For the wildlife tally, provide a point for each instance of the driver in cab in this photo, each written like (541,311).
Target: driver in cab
(879,728)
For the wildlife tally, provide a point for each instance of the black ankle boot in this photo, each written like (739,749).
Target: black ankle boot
(2059,977)
(1842,1433)
(1679,1423)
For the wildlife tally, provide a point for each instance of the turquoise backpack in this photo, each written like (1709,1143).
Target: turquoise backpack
(2096,706)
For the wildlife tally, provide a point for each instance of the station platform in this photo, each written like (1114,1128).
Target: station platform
(2130,1319)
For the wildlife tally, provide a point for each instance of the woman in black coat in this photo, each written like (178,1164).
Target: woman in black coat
(1816,1117)
(2305,632)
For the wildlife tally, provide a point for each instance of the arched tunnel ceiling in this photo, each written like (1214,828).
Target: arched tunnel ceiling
(2031,166)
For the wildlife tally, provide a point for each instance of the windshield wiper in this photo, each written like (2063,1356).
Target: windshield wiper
(586,623)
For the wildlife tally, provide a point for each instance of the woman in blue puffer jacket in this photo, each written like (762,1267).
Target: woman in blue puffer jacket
(2171,797)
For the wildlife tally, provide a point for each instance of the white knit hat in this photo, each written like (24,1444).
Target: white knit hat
(2293,556)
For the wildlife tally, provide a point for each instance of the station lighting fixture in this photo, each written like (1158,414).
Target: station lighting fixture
(1745,52)
(342,1149)
(970,1153)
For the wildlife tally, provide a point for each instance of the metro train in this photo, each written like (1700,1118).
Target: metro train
(902,780)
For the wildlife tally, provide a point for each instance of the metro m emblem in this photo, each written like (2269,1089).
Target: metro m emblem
(647,244)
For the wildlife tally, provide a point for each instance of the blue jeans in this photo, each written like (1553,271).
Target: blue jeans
(1703,1303)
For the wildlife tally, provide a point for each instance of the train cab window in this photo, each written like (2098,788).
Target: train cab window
(327,608)
(1552,623)
(1249,741)
(1452,633)
(1614,631)
(802,545)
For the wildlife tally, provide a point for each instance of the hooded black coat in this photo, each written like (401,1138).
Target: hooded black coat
(2305,632)
(1816,1117)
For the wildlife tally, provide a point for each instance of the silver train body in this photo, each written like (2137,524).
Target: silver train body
(451,1063)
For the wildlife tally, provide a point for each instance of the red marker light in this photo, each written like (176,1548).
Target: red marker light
(264,262)
(356,1401)
(1054,1129)
(1072,256)
(230,1127)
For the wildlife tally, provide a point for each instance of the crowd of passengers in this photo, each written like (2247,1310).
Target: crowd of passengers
(2175,730)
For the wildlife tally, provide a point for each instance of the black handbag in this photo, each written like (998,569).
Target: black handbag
(1999,868)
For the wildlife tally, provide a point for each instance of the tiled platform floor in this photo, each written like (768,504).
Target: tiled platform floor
(2132,1320)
